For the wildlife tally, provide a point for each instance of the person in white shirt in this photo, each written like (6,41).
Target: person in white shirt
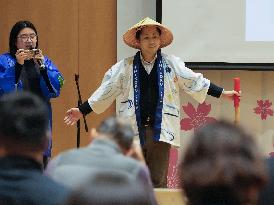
(146,88)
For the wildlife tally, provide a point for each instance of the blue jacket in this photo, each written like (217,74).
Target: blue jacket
(7,83)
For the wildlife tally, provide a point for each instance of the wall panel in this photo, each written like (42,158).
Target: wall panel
(80,37)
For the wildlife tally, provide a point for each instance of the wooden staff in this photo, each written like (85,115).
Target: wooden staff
(237,100)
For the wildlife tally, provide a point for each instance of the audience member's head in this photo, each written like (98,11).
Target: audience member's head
(23,124)
(118,130)
(107,188)
(266,197)
(222,165)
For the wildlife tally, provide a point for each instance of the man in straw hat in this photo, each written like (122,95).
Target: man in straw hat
(146,89)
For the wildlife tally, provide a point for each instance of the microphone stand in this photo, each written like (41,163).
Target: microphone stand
(79,103)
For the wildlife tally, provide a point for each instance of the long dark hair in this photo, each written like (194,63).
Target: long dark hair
(14,33)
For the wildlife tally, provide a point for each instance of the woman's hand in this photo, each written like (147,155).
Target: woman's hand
(39,57)
(72,116)
(21,56)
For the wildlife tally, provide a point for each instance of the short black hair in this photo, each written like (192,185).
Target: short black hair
(20,25)
(139,31)
(119,130)
(108,187)
(23,120)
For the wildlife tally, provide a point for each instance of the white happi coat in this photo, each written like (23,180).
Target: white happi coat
(118,83)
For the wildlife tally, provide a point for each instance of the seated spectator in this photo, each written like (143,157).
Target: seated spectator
(23,138)
(222,165)
(108,150)
(266,197)
(109,188)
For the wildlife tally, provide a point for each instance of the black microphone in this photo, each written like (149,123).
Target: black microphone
(43,71)
(41,64)
(39,61)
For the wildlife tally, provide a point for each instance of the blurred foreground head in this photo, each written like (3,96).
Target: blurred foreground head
(23,123)
(107,188)
(118,130)
(222,165)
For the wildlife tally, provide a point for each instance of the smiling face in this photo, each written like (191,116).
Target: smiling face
(149,40)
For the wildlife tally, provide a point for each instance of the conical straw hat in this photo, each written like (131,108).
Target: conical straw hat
(130,39)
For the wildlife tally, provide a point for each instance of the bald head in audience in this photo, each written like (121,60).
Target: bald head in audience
(107,188)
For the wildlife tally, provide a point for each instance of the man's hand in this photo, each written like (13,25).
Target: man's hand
(72,116)
(228,94)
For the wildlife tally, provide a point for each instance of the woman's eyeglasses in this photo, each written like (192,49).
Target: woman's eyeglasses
(25,37)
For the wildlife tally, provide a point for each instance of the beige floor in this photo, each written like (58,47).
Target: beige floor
(169,197)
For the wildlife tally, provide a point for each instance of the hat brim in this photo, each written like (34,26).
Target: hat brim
(130,36)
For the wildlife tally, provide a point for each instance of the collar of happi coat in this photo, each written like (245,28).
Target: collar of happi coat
(136,86)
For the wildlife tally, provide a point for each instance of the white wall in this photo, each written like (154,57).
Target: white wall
(130,12)
(214,30)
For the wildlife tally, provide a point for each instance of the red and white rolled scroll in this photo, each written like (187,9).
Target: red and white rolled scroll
(237,87)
